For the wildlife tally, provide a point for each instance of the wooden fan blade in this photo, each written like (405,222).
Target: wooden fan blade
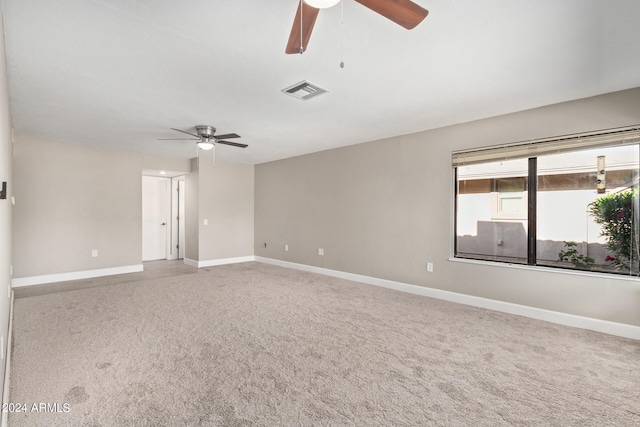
(188,133)
(227,136)
(234,144)
(305,18)
(178,139)
(403,12)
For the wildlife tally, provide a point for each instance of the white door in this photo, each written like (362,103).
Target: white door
(155,217)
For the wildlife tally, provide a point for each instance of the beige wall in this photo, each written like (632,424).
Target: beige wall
(6,214)
(384,209)
(71,199)
(225,200)
(192,209)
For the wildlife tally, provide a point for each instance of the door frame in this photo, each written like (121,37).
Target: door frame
(177,208)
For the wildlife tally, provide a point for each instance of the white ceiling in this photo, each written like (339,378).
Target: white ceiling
(120,73)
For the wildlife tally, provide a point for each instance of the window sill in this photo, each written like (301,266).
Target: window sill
(545,269)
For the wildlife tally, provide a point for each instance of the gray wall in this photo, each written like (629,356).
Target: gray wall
(225,199)
(385,208)
(71,199)
(6,214)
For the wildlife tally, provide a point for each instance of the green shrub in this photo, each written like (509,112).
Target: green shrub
(571,254)
(617,215)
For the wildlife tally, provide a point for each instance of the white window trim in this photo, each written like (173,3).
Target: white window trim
(542,268)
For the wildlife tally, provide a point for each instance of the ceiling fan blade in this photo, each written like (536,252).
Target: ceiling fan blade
(302,26)
(403,12)
(178,139)
(188,133)
(227,136)
(234,144)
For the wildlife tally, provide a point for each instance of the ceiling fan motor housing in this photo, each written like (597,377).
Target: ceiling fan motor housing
(206,131)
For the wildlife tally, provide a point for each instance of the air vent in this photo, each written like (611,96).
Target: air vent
(304,90)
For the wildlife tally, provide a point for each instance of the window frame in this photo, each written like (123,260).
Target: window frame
(601,139)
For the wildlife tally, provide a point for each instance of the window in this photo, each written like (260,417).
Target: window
(509,198)
(569,203)
(492,217)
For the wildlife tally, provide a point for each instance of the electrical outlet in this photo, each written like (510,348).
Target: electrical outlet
(94,253)
(320,251)
(206,222)
(286,248)
(430,267)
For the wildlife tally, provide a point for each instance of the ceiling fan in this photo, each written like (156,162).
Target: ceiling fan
(403,12)
(206,137)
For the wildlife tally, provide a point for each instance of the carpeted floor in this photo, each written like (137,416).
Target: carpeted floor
(254,344)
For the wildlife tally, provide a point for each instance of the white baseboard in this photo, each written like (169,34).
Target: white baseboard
(190,262)
(604,326)
(74,275)
(4,420)
(222,261)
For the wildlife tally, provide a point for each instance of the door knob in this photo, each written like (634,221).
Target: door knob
(164,223)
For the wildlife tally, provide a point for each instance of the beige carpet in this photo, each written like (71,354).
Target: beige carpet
(253,344)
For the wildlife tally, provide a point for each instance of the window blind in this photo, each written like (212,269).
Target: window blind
(561,144)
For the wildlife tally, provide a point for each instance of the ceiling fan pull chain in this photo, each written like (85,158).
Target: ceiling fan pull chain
(213,154)
(301,49)
(342,35)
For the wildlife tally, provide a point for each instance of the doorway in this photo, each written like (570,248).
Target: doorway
(155,218)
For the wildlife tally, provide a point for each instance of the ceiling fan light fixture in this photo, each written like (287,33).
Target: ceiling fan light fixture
(205,145)
(322,4)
